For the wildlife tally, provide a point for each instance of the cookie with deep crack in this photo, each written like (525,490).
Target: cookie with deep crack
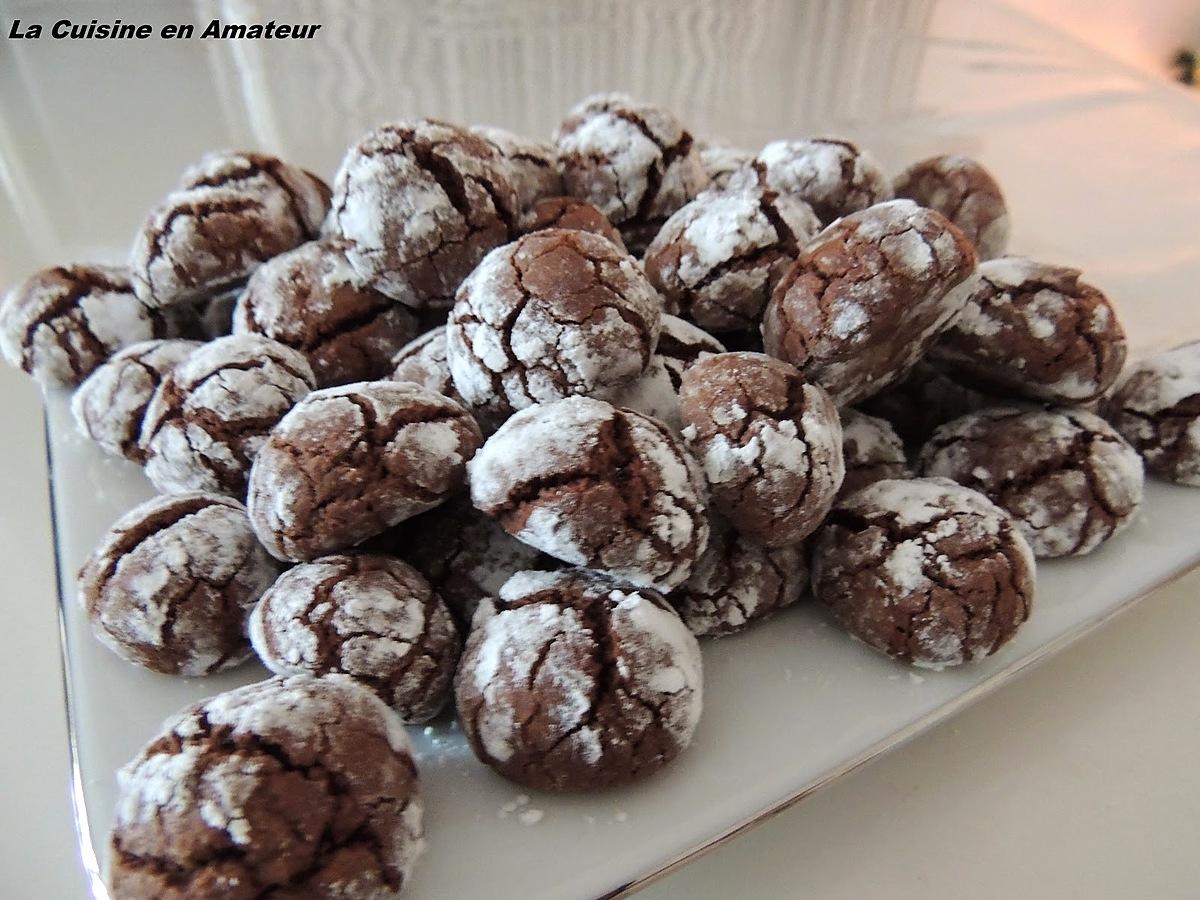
(1066,476)
(290,787)
(569,212)
(769,443)
(171,584)
(634,162)
(717,259)
(109,406)
(871,449)
(1035,330)
(210,414)
(347,463)
(868,296)
(1156,406)
(554,314)
(925,570)
(417,205)
(835,177)
(371,617)
(963,191)
(577,681)
(595,486)
(233,212)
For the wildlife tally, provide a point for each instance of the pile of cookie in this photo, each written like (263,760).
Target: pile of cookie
(506,426)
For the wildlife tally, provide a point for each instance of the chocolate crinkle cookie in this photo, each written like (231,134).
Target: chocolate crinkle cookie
(1156,407)
(1070,481)
(1036,330)
(417,205)
(311,300)
(721,162)
(423,361)
(554,314)
(349,462)
(465,555)
(211,413)
(927,571)
(964,192)
(572,213)
(371,617)
(868,296)
(832,176)
(577,681)
(924,399)
(738,581)
(531,166)
(872,451)
(717,259)
(289,788)
(170,586)
(61,323)
(110,404)
(770,444)
(233,212)
(635,162)
(595,486)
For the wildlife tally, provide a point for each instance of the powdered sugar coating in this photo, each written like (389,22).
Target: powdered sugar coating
(210,414)
(718,258)
(423,361)
(171,584)
(868,296)
(1156,406)
(964,192)
(349,462)
(417,205)
(595,486)
(554,314)
(925,570)
(1037,330)
(770,444)
(834,177)
(370,617)
(61,323)
(108,407)
(612,673)
(1066,476)
(531,166)
(258,174)
(292,786)
(721,162)
(871,449)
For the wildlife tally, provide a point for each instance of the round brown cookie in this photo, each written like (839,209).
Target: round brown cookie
(925,570)
(350,462)
(832,176)
(595,486)
(721,162)
(718,258)
(531,166)
(233,213)
(171,584)
(110,404)
(418,205)
(1036,330)
(569,212)
(1157,408)
(465,555)
(770,444)
(371,617)
(656,392)
(872,451)
(553,314)
(737,582)
(578,681)
(211,413)
(924,399)
(868,296)
(310,299)
(423,361)
(290,787)
(61,323)
(964,192)
(635,162)
(1070,481)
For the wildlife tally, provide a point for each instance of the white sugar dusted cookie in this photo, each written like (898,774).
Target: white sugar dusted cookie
(963,191)
(871,449)
(835,177)
(531,166)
